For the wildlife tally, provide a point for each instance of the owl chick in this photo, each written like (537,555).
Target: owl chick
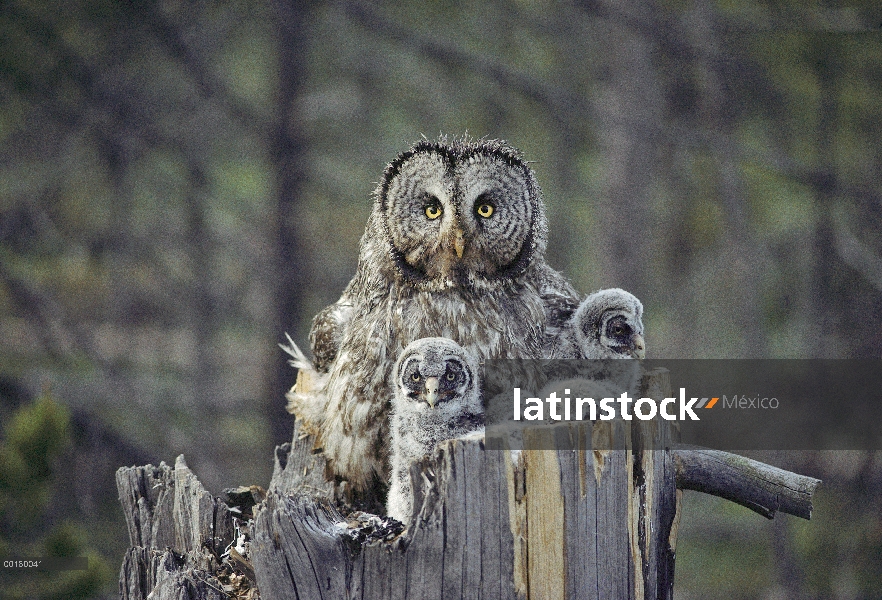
(606,325)
(454,248)
(436,398)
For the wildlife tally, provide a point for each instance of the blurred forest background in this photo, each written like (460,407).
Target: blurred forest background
(181,183)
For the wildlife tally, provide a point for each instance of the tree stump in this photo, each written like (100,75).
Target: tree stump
(177,531)
(583,511)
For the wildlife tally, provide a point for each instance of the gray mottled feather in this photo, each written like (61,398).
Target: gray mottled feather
(327,332)
(306,399)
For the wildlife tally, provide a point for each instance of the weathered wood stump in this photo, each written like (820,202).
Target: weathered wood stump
(177,531)
(583,511)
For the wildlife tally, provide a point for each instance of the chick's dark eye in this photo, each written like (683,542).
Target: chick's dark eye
(618,328)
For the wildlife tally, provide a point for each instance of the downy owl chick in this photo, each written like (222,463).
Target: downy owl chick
(436,398)
(606,325)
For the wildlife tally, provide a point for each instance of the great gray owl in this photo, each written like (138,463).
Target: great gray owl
(606,325)
(437,397)
(454,247)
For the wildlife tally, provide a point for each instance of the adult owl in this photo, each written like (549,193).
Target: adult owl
(437,398)
(606,325)
(454,247)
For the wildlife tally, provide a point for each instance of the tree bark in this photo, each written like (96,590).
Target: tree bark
(177,531)
(565,517)
(762,488)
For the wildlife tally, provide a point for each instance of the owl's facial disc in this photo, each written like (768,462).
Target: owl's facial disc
(451,241)
(434,242)
(410,378)
(500,208)
(453,219)
(441,385)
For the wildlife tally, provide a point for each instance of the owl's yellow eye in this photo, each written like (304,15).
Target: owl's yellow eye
(433,211)
(415,376)
(451,377)
(485,210)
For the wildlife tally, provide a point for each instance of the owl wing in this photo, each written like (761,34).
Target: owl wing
(327,332)
(306,399)
(559,299)
(558,295)
(467,423)
(551,282)
(558,310)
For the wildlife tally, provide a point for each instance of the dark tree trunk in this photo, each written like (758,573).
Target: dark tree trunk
(289,159)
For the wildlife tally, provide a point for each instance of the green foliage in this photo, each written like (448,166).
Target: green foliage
(60,585)
(64,540)
(38,433)
(33,439)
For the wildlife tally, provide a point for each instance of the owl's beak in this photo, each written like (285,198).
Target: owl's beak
(459,244)
(639,346)
(432,391)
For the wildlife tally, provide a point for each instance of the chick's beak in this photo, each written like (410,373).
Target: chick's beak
(432,391)
(639,344)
